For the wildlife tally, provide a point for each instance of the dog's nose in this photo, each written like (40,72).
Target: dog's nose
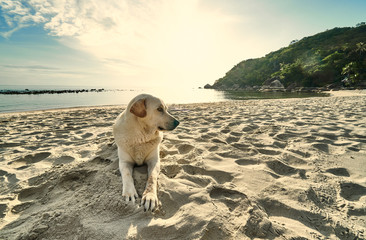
(176,123)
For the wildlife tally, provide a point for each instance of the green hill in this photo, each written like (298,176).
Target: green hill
(336,57)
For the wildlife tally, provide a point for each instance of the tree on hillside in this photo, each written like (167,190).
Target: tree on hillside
(360,48)
(351,73)
(294,41)
(291,73)
(355,71)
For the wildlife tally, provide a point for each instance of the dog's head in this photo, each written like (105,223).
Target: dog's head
(152,112)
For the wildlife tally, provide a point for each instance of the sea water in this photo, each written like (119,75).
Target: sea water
(29,102)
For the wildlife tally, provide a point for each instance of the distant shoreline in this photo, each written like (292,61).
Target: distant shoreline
(29,92)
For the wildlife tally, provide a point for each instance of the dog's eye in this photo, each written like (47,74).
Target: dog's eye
(160,109)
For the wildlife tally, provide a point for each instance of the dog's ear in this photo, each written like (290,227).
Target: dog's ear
(139,108)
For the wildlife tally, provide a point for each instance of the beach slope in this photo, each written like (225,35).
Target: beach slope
(271,169)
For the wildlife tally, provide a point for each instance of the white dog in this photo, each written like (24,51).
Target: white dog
(138,134)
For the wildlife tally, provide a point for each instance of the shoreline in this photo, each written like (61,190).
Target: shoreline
(338,93)
(344,93)
(64,109)
(269,168)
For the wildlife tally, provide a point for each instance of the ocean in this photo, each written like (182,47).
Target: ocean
(30,102)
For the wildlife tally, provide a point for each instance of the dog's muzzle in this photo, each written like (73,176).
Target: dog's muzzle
(176,123)
(171,126)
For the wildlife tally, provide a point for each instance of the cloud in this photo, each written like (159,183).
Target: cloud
(17,15)
(44,69)
(135,39)
(120,62)
(91,22)
(31,67)
(10,32)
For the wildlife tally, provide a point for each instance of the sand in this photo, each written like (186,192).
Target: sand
(270,169)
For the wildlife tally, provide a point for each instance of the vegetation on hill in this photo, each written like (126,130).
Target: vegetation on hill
(336,57)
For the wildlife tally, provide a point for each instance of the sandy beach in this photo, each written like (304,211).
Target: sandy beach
(254,169)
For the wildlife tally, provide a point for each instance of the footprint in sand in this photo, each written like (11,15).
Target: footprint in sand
(357,211)
(283,169)
(171,170)
(339,172)
(354,148)
(300,123)
(322,147)
(32,193)
(86,135)
(3,209)
(9,144)
(185,148)
(5,174)
(21,207)
(352,191)
(85,153)
(291,159)
(268,151)
(244,162)
(250,128)
(243,147)
(231,154)
(328,135)
(216,140)
(203,130)
(360,136)
(231,198)
(11,177)
(219,176)
(286,136)
(232,139)
(300,153)
(33,158)
(236,134)
(184,136)
(213,148)
(278,144)
(283,209)
(225,131)
(63,160)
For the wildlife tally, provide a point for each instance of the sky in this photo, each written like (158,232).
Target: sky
(155,43)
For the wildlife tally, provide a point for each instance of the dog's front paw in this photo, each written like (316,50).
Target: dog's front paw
(149,201)
(129,193)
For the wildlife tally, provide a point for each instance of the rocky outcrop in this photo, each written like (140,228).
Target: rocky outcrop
(29,92)
(272,85)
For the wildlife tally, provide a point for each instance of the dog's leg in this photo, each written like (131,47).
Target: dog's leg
(150,195)
(126,169)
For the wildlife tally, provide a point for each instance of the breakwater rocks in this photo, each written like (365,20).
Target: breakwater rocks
(29,92)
